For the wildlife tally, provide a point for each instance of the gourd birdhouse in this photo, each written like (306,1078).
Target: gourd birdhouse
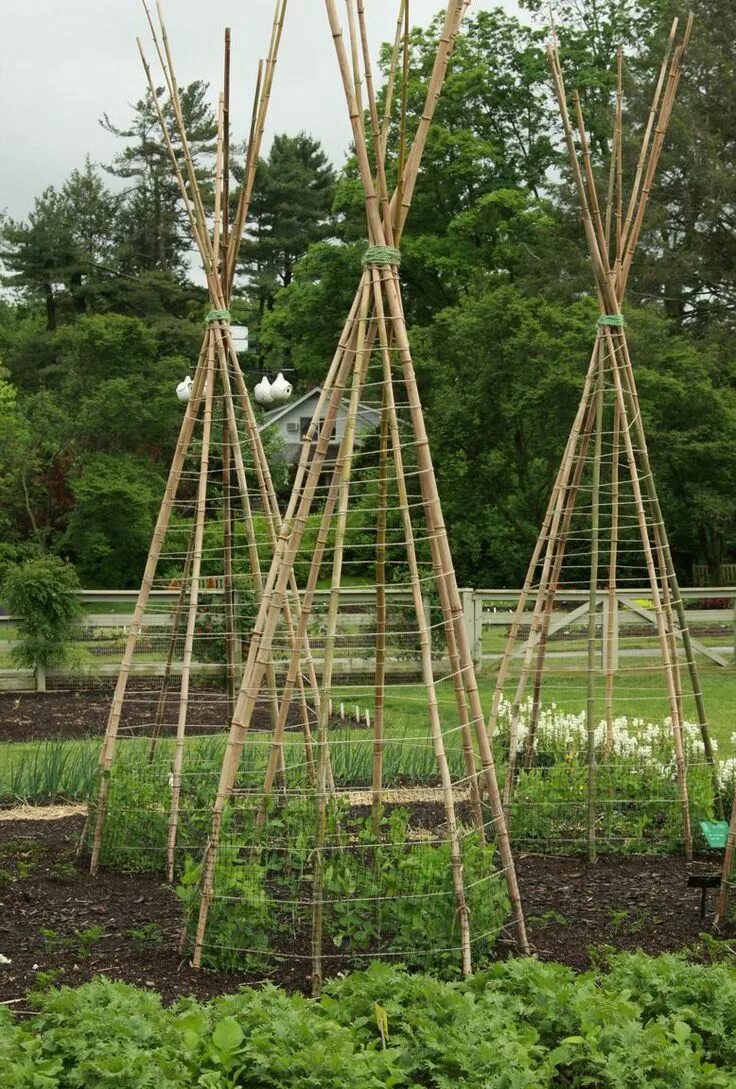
(280,389)
(263,392)
(184,390)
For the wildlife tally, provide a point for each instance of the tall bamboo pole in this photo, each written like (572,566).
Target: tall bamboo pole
(618,157)
(431,500)
(225,236)
(380,679)
(425,635)
(199,516)
(555,541)
(592,609)
(547,530)
(345,459)
(457,666)
(154,552)
(538,639)
(391,81)
(168,667)
(228,589)
(612,625)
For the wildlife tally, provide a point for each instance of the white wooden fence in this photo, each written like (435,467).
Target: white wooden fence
(710,614)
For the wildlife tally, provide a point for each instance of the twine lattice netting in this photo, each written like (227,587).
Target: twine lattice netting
(357,820)
(595,698)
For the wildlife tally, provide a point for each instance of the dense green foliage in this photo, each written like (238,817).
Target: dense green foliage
(43,594)
(382,896)
(657,1022)
(104,320)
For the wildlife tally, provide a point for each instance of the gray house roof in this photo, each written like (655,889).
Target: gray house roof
(275,414)
(284,415)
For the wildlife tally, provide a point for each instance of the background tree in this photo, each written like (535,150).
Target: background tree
(153,233)
(116,499)
(102,319)
(290,210)
(56,254)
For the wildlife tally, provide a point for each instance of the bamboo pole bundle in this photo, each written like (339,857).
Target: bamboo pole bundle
(620,433)
(373,350)
(216,371)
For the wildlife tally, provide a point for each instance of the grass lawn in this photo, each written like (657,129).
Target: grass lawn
(638,693)
(50,768)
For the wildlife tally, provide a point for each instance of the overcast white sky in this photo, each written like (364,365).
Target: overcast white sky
(63,63)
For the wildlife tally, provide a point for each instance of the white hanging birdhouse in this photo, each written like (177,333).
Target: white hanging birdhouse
(280,389)
(239,334)
(184,390)
(263,392)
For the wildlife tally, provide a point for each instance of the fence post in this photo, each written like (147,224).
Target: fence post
(734,628)
(478,629)
(471,626)
(40,677)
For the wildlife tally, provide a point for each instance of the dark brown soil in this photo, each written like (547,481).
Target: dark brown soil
(634,903)
(83,712)
(43,888)
(55,918)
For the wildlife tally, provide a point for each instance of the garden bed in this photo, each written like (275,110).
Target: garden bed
(54,918)
(83,712)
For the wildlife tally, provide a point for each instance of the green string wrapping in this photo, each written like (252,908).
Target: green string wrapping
(615,320)
(381,255)
(217,315)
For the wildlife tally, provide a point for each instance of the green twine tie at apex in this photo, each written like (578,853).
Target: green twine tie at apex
(381,255)
(217,315)
(617,321)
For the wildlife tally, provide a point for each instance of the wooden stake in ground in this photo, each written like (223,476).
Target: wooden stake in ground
(610,405)
(374,350)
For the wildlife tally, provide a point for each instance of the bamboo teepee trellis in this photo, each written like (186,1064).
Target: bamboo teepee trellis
(373,359)
(219,402)
(603,524)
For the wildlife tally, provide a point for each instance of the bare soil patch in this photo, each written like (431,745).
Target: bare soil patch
(49,904)
(83,712)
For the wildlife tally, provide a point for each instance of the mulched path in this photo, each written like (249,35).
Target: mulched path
(634,903)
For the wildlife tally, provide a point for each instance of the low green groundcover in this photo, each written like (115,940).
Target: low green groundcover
(660,1022)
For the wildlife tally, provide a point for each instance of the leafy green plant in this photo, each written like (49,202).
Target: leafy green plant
(42,593)
(548,918)
(63,871)
(47,978)
(383,894)
(242,921)
(53,941)
(143,937)
(88,938)
(654,1022)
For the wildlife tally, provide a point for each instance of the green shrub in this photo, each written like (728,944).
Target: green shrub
(42,593)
